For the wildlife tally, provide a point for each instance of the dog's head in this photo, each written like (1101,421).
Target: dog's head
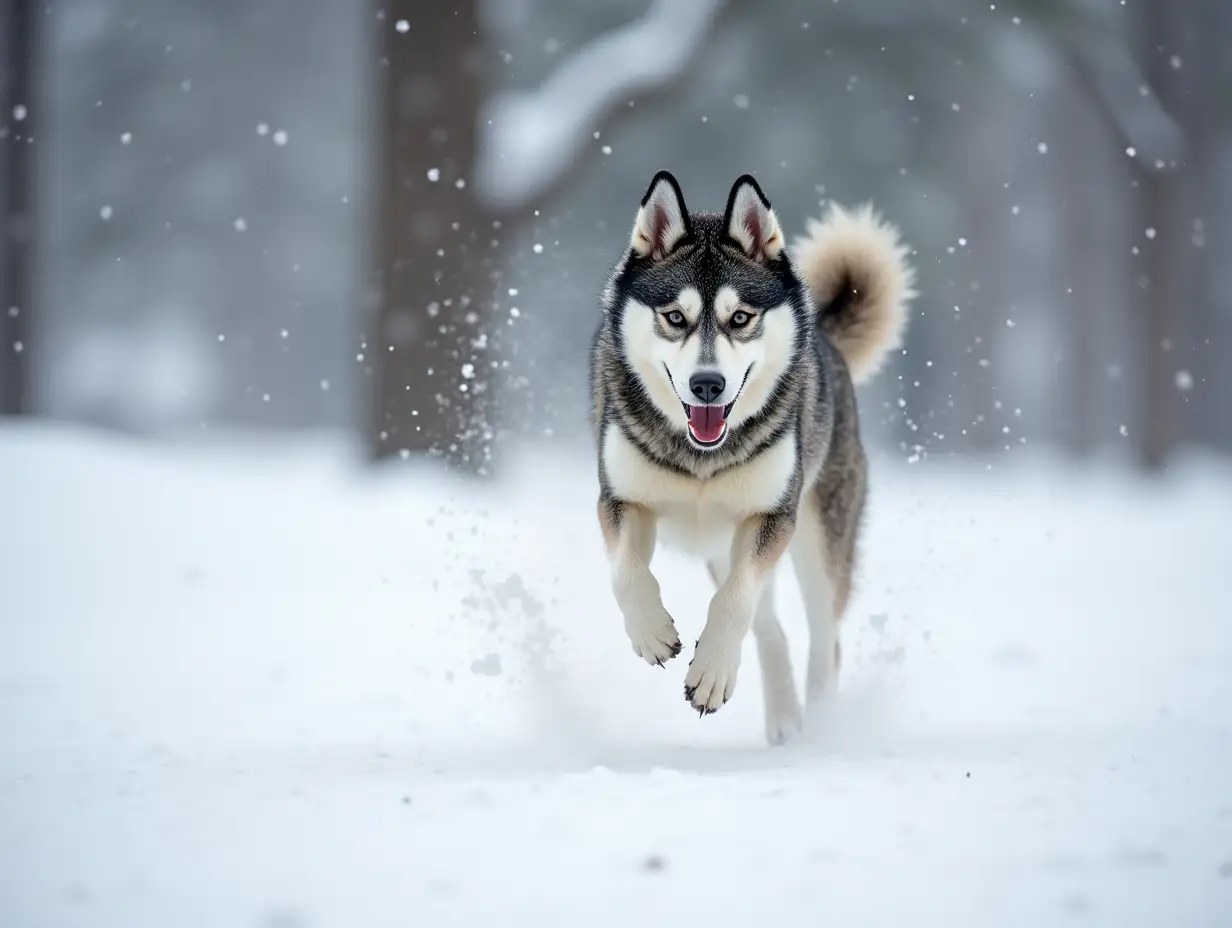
(708,309)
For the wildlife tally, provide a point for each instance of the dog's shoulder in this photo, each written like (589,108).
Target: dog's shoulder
(633,475)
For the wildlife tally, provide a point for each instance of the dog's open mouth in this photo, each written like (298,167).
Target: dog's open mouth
(708,424)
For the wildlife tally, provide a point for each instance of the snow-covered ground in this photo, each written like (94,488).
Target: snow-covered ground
(257,685)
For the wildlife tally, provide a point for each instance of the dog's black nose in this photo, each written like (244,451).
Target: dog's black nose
(707,386)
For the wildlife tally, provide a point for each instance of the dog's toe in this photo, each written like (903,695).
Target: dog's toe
(655,642)
(711,679)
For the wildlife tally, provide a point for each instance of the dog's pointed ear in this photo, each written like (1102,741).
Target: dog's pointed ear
(751,223)
(662,220)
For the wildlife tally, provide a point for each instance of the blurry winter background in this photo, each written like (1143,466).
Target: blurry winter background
(304,618)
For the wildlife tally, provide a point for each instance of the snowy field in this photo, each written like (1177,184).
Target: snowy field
(256,685)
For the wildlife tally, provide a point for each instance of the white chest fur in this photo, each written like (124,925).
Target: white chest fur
(694,514)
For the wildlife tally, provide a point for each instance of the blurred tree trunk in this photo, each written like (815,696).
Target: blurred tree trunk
(19,111)
(985,290)
(1204,106)
(1163,238)
(430,354)
(1078,154)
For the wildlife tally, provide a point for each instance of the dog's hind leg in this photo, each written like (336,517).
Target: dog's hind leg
(782,705)
(823,554)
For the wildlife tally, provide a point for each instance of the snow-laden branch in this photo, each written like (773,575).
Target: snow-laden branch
(528,139)
(1095,43)
(1116,82)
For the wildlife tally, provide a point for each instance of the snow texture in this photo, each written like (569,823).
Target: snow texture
(253,684)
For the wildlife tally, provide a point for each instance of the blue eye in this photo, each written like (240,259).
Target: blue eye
(739,319)
(676,317)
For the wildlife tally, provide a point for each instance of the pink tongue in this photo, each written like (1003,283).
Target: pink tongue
(706,422)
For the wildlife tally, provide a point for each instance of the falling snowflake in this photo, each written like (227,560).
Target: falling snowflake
(105,213)
(1184,381)
(434,174)
(241,224)
(280,137)
(1042,148)
(537,248)
(126,138)
(402,26)
(19,112)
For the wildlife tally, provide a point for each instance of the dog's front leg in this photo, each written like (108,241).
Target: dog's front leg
(759,543)
(629,532)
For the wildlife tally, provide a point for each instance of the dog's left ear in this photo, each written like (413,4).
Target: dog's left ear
(751,223)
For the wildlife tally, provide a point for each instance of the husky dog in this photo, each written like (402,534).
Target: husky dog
(723,372)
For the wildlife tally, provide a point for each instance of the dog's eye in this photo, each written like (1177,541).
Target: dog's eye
(676,317)
(739,319)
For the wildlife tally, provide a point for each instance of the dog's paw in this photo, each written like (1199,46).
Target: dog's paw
(783,722)
(784,716)
(653,636)
(711,679)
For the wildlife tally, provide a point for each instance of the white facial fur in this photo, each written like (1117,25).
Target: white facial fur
(768,354)
(649,354)
(652,356)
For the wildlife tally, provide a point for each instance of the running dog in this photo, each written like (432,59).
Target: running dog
(724,411)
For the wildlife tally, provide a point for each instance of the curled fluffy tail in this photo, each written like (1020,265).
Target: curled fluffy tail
(858,273)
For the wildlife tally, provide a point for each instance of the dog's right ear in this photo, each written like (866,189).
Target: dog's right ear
(662,221)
